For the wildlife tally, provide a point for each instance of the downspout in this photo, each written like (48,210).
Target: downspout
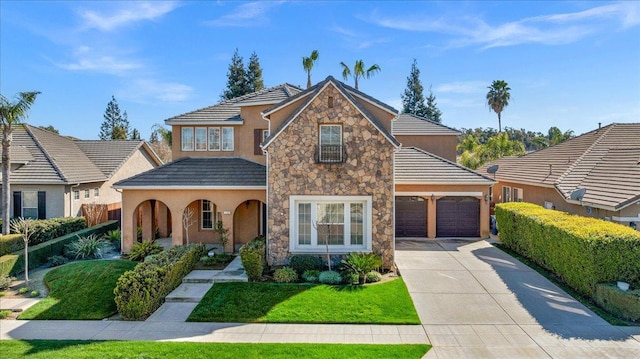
(71,198)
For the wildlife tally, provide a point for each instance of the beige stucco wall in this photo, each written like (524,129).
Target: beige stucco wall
(368,171)
(226,201)
(441,191)
(55,198)
(443,146)
(277,118)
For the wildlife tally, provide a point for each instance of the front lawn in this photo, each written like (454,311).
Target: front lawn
(80,290)
(384,303)
(118,349)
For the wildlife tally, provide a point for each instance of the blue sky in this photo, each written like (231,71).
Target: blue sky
(569,64)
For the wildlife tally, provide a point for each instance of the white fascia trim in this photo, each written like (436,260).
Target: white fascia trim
(625,219)
(375,104)
(255,103)
(205,122)
(428,193)
(178,188)
(446,183)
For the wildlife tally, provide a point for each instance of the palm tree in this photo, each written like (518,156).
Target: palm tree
(11,113)
(498,98)
(358,71)
(307,64)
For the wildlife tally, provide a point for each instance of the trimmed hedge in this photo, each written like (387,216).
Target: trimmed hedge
(141,291)
(11,264)
(253,256)
(43,230)
(625,305)
(583,251)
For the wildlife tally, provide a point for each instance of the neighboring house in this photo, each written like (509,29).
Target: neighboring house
(53,176)
(596,174)
(314,169)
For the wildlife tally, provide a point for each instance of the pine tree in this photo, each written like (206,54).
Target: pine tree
(236,78)
(115,125)
(254,74)
(412,98)
(432,112)
(135,134)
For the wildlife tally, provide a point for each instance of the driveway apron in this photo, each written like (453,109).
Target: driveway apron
(476,301)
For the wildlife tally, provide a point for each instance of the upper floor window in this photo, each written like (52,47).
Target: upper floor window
(227,138)
(201,139)
(214,138)
(187,138)
(207,138)
(330,149)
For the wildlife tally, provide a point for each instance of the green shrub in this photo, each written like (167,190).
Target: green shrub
(252,255)
(141,291)
(374,276)
(311,275)
(348,277)
(13,263)
(330,277)
(5,281)
(113,236)
(625,305)
(304,262)
(23,290)
(56,260)
(582,251)
(285,275)
(45,230)
(361,264)
(35,293)
(141,250)
(208,261)
(4,314)
(87,247)
(11,243)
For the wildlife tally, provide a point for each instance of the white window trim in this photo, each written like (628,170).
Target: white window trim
(314,247)
(209,139)
(193,139)
(233,134)
(213,216)
(206,139)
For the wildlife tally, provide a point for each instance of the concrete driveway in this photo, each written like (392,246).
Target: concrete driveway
(475,301)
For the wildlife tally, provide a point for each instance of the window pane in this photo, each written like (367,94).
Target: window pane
(207,214)
(187,138)
(357,224)
(30,213)
(214,139)
(331,223)
(330,135)
(86,193)
(227,138)
(96,192)
(201,138)
(304,223)
(30,199)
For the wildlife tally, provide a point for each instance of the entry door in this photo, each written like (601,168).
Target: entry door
(411,217)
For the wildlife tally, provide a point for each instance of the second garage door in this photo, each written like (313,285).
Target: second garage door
(458,217)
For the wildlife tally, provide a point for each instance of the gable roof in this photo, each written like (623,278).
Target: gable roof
(228,111)
(200,173)
(49,158)
(409,124)
(347,91)
(606,162)
(416,166)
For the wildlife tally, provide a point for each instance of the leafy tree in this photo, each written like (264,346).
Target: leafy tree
(307,64)
(135,134)
(254,74)
(236,78)
(498,98)
(11,114)
(358,71)
(160,132)
(160,142)
(433,113)
(50,128)
(115,125)
(412,98)
(496,147)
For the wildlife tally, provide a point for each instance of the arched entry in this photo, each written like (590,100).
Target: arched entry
(152,220)
(411,217)
(199,220)
(458,217)
(249,221)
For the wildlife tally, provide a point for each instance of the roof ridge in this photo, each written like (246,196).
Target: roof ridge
(47,155)
(449,162)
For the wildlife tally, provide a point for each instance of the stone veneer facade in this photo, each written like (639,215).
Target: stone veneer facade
(367,171)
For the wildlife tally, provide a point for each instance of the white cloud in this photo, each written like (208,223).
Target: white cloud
(462,87)
(150,90)
(90,59)
(132,13)
(554,29)
(357,40)
(246,15)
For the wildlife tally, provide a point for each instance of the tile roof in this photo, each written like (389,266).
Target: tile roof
(229,110)
(347,91)
(416,166)
(189,172)
(604,161)
(408,124)
(49,158)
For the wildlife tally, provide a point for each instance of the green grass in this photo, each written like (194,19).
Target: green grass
(80,290)
(119,349)
(384,303)
(586,301)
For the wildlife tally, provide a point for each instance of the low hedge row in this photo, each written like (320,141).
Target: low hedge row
(12,264)
(582,251)
(625,305)
(43,230)
(141,291)
(253,256)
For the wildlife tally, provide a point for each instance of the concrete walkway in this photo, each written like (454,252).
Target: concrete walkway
(475,301)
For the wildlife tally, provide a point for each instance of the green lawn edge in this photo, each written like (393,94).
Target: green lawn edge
(587,302)
(80,290)
(382,303)
(72,349)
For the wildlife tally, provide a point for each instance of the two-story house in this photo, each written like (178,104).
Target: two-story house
(325,168)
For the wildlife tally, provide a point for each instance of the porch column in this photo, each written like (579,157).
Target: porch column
(163,225)
(128,231)
(431,216)
(176,226)
(147,221)
(227,222)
